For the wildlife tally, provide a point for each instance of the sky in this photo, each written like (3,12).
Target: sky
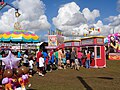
(69,16)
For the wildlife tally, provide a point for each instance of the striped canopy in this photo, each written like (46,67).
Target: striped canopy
(19,36)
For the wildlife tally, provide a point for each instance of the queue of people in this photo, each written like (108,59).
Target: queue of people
(61,59)
(46,61)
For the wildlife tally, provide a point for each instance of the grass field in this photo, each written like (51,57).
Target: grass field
(85,79)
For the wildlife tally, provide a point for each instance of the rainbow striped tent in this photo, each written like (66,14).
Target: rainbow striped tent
(19,36)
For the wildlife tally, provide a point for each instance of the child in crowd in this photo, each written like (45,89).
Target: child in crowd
(46,63)
(67,58)
(31,64)
(41,65)
(77,64)
(64,62)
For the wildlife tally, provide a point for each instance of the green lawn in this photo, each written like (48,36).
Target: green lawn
(86,79)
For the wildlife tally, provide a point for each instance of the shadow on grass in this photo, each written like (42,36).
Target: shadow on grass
(31,89)
(108,78)
(84,83)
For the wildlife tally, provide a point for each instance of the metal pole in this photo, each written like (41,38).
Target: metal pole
(113,30)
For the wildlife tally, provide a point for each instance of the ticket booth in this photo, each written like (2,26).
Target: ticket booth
(96,46)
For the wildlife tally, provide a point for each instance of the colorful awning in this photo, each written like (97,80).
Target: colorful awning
(17,36)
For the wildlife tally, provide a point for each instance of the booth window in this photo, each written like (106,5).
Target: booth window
(98,52)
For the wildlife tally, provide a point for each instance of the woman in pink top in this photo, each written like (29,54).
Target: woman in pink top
(80,54)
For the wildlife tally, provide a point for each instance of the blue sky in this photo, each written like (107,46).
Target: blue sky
(69,19)
(106,7)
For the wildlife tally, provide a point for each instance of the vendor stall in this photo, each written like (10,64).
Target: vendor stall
(96,47)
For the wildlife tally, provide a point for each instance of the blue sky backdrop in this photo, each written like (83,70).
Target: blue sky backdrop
(42,15)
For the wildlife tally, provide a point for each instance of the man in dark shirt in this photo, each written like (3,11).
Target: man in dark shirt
(73,55)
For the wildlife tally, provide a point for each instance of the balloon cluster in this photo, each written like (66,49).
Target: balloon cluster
(114,41)
(15,78)
(116,37)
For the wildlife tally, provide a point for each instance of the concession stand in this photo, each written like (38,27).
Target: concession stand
(95,45)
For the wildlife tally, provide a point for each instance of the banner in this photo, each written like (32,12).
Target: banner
(52,40)
(114,56)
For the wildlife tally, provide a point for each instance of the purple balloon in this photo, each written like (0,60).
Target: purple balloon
(24,77)
(5,80)
(10,61)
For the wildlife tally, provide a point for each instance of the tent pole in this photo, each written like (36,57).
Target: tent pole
(20,46)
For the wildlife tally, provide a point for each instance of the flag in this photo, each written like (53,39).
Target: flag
(1,2)
(2,5)
(58,32)
(85,35)
(98,29)
(49,32)
(92,29)
(90,32)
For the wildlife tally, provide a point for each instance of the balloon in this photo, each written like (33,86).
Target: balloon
(10,61)
(24,77)
(8,73)
(5,80)
(18,72)
(24,69)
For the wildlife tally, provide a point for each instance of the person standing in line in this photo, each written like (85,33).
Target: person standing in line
(64,61)
(31,64)
(45,55)
(67,58)
(56,57)
(88,60)
(38,55)
(25,59)
(19,54)
(80,54)
(41,65)
(59,58)
(73,55)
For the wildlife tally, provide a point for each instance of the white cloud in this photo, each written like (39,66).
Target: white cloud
(90,16)
(114,23)
(7,21)
(104,29)
(32,16)
(69,16)
(71,20)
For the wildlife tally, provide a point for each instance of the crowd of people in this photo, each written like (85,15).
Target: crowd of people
(46,61)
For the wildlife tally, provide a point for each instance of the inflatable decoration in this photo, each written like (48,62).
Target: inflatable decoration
(8,73)
(25,76)
(18,72)
(24,69)
(10,61)
(7,80)
(114,42)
